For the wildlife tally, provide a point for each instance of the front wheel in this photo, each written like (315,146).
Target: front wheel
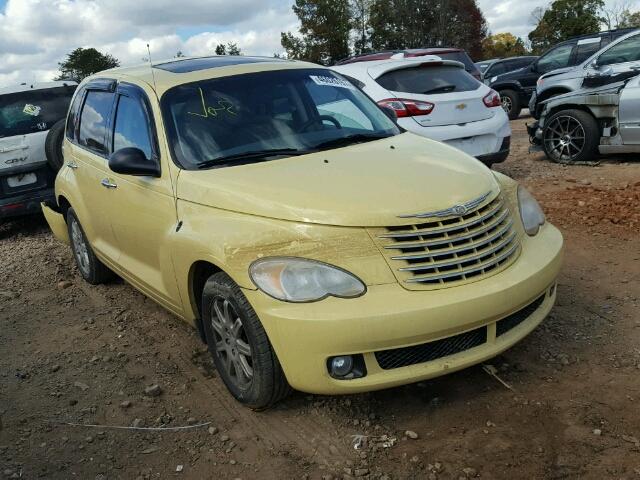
(571,136)
(239,345)
(511,103)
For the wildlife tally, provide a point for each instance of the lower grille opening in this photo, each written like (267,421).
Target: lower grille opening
(403,357)
(515,319)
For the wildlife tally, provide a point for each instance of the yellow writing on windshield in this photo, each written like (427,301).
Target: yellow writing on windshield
(210,111)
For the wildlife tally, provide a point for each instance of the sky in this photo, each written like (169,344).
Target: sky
(37,34)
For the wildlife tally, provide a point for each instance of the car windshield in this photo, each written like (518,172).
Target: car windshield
(259,116)
(32,111)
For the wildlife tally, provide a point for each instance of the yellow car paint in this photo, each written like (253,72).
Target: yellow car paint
(327,206)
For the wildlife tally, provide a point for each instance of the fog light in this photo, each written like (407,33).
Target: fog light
(341,366)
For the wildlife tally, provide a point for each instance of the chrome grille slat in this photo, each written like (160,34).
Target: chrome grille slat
(442,250)
(456,238)
(447,212)
(484,253)
(417,233)
(498,259)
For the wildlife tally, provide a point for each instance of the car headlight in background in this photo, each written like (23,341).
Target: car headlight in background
(530,212)
(300,280)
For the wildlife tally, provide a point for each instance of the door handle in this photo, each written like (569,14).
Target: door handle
(72,165)
(107,184)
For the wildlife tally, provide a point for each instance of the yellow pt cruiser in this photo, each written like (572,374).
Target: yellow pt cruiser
(314,244)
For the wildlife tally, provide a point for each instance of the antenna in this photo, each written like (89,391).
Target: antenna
(153,76)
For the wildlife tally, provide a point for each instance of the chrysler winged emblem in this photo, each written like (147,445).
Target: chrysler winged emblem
(455,210)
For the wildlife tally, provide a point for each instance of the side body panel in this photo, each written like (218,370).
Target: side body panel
(629,115)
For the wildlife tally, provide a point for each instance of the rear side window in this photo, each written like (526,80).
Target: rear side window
(33,110)
(461,57)
(497,69)
(94,120)
(586,48)
(429,80)
(73,115)
(132,126)
(626,51)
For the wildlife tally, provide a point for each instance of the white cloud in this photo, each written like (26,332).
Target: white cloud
(37,34)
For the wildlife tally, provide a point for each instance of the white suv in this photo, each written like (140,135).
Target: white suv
(31,131)
(437,99)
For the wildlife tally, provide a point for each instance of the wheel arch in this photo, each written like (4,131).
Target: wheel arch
(199,272)
(63,205)
(547,94)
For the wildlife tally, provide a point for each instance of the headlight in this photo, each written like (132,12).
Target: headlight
(300,280)
(530,212)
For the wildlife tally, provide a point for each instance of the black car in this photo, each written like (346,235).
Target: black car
(516,87)
(493,68)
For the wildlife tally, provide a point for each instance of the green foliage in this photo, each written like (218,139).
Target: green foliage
(82,62)
(324,31)
(566,19)
(503,45)
(230,48)
(629,19)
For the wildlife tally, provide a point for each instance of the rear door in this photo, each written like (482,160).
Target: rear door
(630,112)
(456,95)
(86,166)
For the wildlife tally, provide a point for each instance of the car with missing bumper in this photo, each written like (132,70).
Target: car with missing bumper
(280,211)
(30,143)
(603,117)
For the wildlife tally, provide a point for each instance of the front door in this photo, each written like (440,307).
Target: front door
(629,113)
(142,209)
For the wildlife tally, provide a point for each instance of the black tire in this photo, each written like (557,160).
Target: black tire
(571,136)
(91,269)
(53,145)
(226,338)
(511,103)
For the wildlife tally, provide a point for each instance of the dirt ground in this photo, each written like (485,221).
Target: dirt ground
(75,354)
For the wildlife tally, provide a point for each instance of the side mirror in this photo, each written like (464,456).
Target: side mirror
(391,113)
(133,161)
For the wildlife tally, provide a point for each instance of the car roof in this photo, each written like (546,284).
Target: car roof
(366,57)
(377,68)
(165,74)
(23,87)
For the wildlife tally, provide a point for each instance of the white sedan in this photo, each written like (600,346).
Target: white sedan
(437,99)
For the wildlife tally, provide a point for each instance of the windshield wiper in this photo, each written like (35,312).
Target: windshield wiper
(441,89)
(351,139)
(250,157)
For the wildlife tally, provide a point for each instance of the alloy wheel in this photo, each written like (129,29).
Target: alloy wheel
(507,105)
(231,342)
(564,138)
(80,248)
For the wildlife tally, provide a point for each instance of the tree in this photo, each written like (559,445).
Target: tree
(398,24)
(82,62)
(360,24)
(566,19)
(502,45)
(230,48)
(324,31)
(628,19)
(612,14)
(179,54)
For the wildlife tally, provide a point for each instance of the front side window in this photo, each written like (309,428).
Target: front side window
(259,116)
(556,58)
(626,51)
(33,110)
(497,69)
(94,120)
(429,79)
(132,126)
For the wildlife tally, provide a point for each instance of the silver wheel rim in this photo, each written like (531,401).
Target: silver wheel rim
(506,104)
(231,342)
(564,138)
(80,249)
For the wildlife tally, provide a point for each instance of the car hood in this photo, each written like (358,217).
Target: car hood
(562,71)
(368,184)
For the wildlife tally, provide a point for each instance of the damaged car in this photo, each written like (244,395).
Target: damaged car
(601,118)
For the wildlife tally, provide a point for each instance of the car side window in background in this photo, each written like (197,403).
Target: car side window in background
(94,120)
(132,126)
(586,48)
(556,58)
(496,69)
(430,79)
(626,51)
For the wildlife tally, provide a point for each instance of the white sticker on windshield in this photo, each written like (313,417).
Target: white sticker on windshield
(32,110)
(331,82)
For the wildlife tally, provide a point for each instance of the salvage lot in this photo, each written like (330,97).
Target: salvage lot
(71,353)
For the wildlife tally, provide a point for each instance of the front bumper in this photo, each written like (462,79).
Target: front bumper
(478,139)
(389,317)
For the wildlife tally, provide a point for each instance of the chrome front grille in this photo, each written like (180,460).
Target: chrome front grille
(444,250)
